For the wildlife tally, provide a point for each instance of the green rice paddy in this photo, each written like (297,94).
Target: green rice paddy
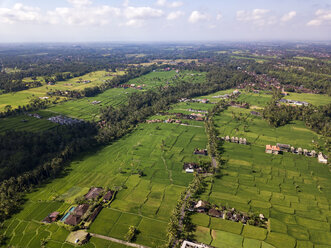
(145,202)
(293,191)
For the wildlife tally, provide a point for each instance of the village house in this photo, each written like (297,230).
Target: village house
(284,147)
(213,212)
(76,217)
(322,158)
(200,151)
(255,113)
(299,151)
(93,193)
(189,244)
(313,153)
(108,196)
(51,217)
(201,206)
(73,220)
(243,141)
(63,120)
(272,149)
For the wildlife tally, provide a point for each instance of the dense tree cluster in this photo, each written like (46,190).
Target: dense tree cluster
(316,118)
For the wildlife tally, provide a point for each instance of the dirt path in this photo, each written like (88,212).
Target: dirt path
(117,241)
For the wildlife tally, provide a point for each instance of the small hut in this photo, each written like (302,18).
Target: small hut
(227,138)
(313,153)
(236,140)
(232,139)
(305,152)
(244,141)
(292,149)
(300,151)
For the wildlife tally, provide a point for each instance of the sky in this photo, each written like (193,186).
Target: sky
(164,20)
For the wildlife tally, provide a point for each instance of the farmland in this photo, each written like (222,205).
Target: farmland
(313,99)
(146,202)
(23,97)
(84,109)
(292,191)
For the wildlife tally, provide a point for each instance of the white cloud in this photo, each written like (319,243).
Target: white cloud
(322,17)
(175,15)
(20,13)
(219,17)
(165,3)
(142,13)
(134,23)
(258,17)
(197,16)
(289,16)
(100,15)
(80,3)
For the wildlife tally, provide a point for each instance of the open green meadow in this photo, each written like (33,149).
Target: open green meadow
(27,123)
(240,122)
(313,99)
(255,100)
(146,202)
(23,97)
(293,191)
(84,109)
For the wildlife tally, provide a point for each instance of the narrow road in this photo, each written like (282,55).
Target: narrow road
(182,216)
(117,241)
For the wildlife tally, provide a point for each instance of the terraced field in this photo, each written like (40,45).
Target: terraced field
(314,99)
(23,97)
(293,191)
(145,202)
(84,109)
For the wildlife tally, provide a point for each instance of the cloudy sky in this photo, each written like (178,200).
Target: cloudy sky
(164,20)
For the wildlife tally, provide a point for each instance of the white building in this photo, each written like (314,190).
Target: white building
(322,158)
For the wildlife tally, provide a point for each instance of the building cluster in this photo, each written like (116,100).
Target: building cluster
(237,140)
(189,244)
(63,120)
(279,148)
(234,94)
(293,102)
(193,116)
(83,81)
(239,104)
(255,113)
(197,111)
(52,217)
(35,115)
(229,214)
(133,86)
(198,151)
(193,167)
(87,211)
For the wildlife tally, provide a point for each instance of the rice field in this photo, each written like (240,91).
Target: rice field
(314,99)
(293,191)
(23,97)
(84,109)
(146,202)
